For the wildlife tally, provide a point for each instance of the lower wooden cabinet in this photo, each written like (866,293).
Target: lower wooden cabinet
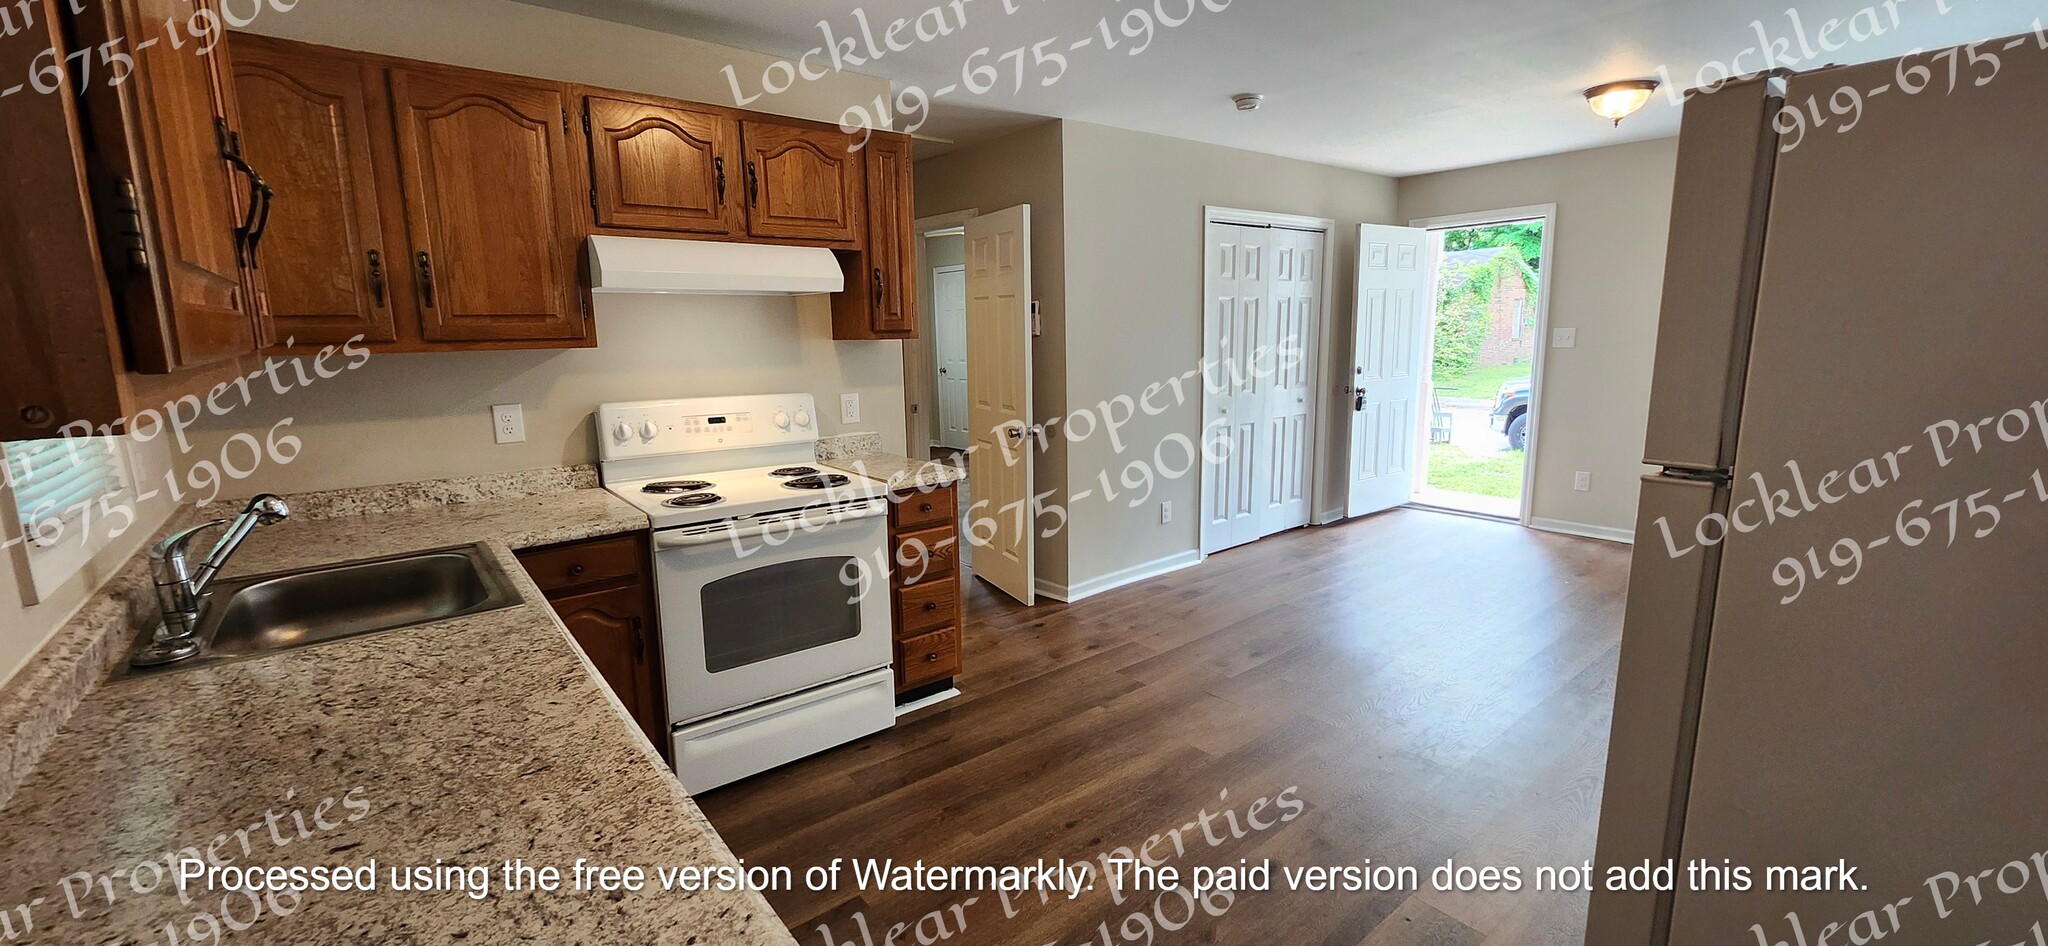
(602,592)
(924,530)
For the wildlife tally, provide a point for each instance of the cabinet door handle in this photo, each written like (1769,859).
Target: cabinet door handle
(639,643)
(426,266)
(753,186)
(377,277)
(718,167)
(878,287)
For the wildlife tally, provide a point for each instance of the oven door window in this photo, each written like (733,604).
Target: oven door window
(777,610)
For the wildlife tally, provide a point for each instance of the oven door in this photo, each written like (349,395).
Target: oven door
(758,610)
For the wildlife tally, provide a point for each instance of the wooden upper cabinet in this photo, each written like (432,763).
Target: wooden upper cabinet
(892,259)
(488,205)
(803,184)
(179,214)
(656,167)
(328,260)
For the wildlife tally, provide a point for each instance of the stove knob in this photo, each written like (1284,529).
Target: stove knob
(648,431)
(622,432)
(803,419)
(782,419)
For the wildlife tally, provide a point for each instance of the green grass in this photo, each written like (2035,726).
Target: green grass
(1482,382)
(1458,470)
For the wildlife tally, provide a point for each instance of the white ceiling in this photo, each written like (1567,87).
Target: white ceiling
(1393,88)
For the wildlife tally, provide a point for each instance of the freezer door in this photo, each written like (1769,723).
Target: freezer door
(1725,151)
(1889,711)
(1662,640)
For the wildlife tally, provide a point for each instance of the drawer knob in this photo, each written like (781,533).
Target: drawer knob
(931,606)
(924,507)
(932,657)
(575,570)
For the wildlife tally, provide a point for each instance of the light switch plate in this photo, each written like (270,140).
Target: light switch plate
(849,408)
(1582,481)
(1564,338)
(508,423)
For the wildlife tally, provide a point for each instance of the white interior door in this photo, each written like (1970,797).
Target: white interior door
(999,399)
(1388,329)
(949,328)
(1234,319)
(1295,301)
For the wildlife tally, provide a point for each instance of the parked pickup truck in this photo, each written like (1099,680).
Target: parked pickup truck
(1511,413)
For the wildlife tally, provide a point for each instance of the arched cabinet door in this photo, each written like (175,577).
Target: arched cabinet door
(488,199)
(613,629)
(655,167)
(803,184)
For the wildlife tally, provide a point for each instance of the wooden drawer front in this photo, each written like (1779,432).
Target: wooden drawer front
(929,657)
(921,510)
(585,563)
(931,555)
(926,608)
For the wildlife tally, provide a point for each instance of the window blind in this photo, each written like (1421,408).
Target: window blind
(53,478)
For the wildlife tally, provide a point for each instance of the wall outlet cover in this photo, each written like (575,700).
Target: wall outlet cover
(1166,512)
(1582,481)
(1564,338)
(508,423)
(849,408)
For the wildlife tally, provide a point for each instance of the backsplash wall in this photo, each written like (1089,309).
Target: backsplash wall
(400,418)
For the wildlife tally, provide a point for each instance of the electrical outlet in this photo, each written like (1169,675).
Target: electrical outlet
(849,408)
(508,422)
(1582,481)
(1564,338)
(1166,512)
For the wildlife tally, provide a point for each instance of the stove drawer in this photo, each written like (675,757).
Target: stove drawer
(927,657)
(921,609)
(931,555)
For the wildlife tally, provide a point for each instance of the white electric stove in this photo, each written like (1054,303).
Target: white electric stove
(771,573)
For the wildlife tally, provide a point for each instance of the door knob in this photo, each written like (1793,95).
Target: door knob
(1358,400)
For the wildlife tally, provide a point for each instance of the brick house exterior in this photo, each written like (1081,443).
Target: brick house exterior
(1510,338)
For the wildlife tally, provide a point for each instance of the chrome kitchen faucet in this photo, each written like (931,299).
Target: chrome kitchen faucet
(180,587)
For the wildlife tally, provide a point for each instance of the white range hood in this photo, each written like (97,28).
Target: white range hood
(702,267)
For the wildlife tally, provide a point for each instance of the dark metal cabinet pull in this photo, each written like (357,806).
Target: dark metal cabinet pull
(931,606)
(878,286)
(377,277)
(426,265)
(753,186)
(718,166)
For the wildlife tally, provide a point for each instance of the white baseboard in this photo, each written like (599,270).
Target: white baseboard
(1127,576)
(1047,588)
(1584,531)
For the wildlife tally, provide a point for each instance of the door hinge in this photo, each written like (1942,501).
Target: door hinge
(565,121)
(586,118)
(593,198)
(122,222)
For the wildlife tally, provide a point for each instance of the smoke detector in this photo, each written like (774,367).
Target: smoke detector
(1248,101)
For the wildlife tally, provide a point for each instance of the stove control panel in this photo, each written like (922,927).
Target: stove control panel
(701,425)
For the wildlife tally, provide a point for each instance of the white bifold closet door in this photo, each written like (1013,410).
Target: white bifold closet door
(1264,290)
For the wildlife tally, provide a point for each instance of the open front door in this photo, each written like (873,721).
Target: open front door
(1390,332)
(999,400)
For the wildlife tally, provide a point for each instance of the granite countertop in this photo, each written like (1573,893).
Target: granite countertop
(901,473)
(473,741)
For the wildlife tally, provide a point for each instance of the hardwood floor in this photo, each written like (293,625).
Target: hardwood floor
(1424,687)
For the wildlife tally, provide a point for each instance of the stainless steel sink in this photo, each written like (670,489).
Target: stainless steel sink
(247,617)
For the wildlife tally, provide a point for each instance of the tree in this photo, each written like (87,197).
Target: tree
(1526,237)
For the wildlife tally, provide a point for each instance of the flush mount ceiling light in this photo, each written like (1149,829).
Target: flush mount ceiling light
(1248,101)
(1619,100)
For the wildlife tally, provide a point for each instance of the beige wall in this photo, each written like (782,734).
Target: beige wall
(400,418)
(1134,310)
(1607,273)
(1022,168)
(532,41)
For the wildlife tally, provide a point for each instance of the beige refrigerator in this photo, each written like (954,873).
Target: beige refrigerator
(1836,644)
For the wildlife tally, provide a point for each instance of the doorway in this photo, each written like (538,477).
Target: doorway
(1478,422)
(949,341)
(940,245)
